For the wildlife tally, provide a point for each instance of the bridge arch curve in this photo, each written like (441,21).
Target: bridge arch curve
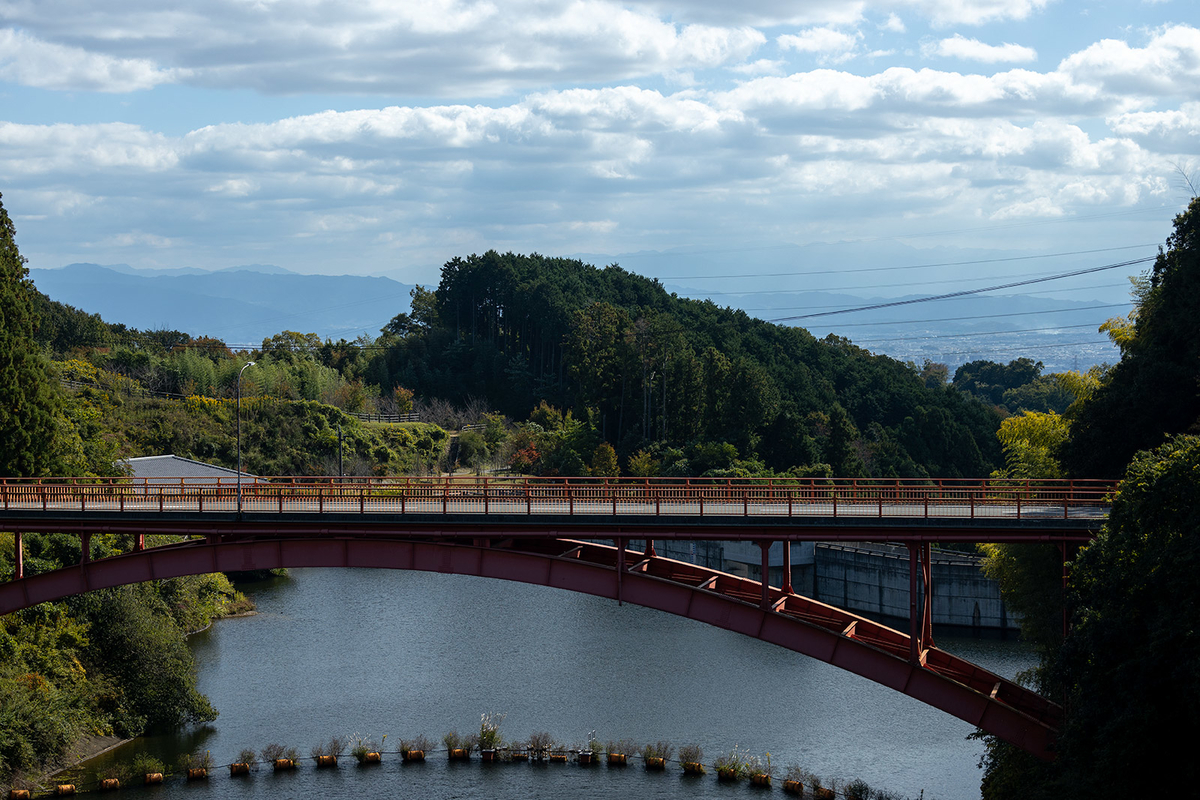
(799,624)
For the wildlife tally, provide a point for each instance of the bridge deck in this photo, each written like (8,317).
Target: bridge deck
(895,510)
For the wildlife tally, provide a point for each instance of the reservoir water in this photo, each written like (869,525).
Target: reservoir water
(375,652)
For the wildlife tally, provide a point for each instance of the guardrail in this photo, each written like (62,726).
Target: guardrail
(750,497)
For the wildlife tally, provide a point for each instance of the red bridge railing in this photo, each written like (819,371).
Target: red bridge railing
(750,497)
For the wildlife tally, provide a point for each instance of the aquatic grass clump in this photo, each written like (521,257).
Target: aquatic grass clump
(540,744)
(858,789)
(692,759)
(489,730)
(732,765)
(459,747)
(655,754)
(414,749)
(364,749)
(760,770)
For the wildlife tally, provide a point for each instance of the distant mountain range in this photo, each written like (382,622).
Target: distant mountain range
(241,305)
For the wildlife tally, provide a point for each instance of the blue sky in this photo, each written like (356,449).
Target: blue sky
(387,137)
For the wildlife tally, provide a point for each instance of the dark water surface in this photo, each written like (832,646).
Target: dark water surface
(374,652)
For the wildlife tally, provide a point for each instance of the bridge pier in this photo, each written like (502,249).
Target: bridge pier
(85,547)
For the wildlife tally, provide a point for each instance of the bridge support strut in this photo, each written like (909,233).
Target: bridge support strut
(620,543)
(920,600)
(787,567)
(19,557)
(765,547)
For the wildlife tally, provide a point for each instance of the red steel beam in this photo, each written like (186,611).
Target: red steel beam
(471,526)
(800,624)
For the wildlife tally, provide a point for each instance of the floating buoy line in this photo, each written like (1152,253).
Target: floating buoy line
(732,766)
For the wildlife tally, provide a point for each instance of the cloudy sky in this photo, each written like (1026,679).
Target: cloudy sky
(382,137)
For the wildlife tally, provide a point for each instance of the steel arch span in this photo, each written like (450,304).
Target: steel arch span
(798,623)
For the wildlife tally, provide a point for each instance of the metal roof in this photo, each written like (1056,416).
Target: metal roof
(175,467)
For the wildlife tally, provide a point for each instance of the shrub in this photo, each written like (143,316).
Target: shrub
(691,754)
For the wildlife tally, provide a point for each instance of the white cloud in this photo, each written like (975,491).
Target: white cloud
(1038,207)
(553,168)
(827,43)
(975,12)
(431,47)
(958,46)
(440,48)
(762,66)
(1169,65)
(28,61)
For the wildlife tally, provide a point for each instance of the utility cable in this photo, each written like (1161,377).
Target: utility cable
(986,333)
(911,266)
(965,292)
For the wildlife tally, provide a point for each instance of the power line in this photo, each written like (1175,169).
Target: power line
(990,351)
(986,333)
(965,292)
(873,287)
(979,316)
(911,266)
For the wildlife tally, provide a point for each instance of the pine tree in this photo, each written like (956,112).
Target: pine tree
(28,399)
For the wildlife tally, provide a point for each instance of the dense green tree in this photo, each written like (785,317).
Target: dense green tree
(1155,389)
(1132,659)
(989,380)
(28,398)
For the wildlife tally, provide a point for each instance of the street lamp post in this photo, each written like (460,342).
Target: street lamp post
(239,434)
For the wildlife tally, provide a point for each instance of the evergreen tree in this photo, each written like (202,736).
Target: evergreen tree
(28,399)
(1153,391)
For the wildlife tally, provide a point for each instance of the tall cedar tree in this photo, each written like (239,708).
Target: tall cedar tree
(27,397)
(1155,389)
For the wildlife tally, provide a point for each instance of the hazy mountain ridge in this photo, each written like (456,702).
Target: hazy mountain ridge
(238,305)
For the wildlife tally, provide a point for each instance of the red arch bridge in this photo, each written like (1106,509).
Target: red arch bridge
(544,531)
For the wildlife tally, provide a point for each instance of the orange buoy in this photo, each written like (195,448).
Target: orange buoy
(616,759)
(324,762)
(153,778)
(18,794)
(413,755)
(693,768)
(109,784)
(284,763)
(654,762)
(793,787)
(197,774)
(240,768)
(64,789)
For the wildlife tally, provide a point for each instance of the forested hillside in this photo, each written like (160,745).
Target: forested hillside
(644,366)
(108,662)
